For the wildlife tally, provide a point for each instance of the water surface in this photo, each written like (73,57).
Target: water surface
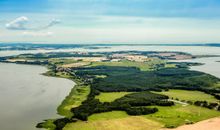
(195,50)
(27,97)
(211,66)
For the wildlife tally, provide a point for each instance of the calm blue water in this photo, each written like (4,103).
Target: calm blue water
(27,97)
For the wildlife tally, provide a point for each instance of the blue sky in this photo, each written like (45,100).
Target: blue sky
(115,21)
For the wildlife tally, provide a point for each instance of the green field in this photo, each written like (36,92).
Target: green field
(173,116)
(166,117)
(217,85)
(179,115)
(127,123)
(60,61)
(189,95)
(49,125)
(108,115)
(144,66)
(111,96)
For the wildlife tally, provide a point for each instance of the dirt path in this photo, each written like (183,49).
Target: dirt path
(210,124)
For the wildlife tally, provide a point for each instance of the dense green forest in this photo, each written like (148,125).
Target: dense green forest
(132,79)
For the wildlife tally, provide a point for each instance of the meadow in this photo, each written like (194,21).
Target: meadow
(111,96)
(189,95)
(169,117)
(178,115)
(122,123)
(144,66)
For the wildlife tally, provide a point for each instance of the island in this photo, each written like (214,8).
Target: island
(123,89)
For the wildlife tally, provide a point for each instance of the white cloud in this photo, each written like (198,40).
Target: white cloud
(53,22)
(21,24)
(18,23)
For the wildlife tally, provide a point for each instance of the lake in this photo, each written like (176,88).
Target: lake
(210,65)
(27,97)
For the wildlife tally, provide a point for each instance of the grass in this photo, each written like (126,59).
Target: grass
(48,124)
(170,65)
(77,95)
(179,115)
(217,85)
(166,117)
(111,96)
(189,95)
(144,66)
(67,62)
(128,123)
(61,61)
(108,115)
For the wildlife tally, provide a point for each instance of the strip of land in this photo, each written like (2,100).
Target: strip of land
(128,90)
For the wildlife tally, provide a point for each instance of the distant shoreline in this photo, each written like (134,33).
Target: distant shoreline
(52,46)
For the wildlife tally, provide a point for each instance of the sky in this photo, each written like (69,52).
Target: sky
(110,21)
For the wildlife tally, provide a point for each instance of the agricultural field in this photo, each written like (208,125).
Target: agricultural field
(144,66)
(111,96)
(178,115)
(170,117)
(189,95)
(108,116)
(127,123)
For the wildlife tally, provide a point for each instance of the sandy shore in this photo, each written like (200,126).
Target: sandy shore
(210,124)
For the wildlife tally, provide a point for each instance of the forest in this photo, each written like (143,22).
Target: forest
(121,79)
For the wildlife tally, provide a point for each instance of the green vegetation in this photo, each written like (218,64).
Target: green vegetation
(67,62)
(128,123)
(178,115)
(108,115)
(111,96)
(173,116)
(131,79)
(144,66)
(131,103)
(144,99)
(61,61)
(48,124)
(217,85)
(189,95)
(55,55)
(77,95)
